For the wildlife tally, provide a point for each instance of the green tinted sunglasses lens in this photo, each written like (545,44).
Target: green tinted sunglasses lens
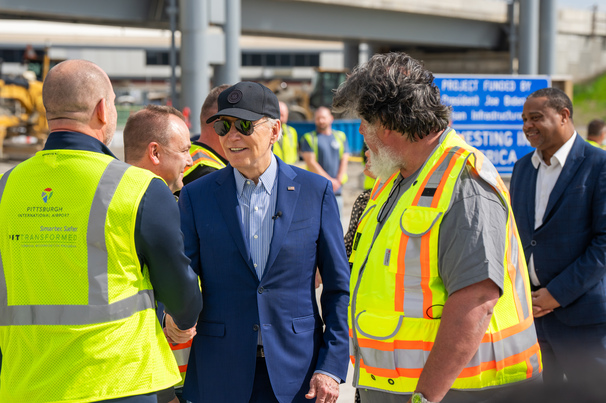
(221,127)
(244,126)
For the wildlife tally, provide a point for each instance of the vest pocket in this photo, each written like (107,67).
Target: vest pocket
(416,221)
(380,326)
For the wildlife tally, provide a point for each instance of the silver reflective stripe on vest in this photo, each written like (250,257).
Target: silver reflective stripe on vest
(3,289)
(413,291)
(98,309)
(23,315)
(3,181)
(436,178)
(95,235)
(199,155)
(182,355)
(487,352)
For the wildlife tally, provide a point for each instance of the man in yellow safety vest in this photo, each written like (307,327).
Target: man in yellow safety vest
(440,306)
(286,146)
(156,138)
(87,243)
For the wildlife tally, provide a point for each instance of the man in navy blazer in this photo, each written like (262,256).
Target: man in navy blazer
(255,232)
(558,197)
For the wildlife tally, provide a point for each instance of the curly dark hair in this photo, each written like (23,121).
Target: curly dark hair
(397,91)
(556,99)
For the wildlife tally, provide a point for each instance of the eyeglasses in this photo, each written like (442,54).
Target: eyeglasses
(246,127)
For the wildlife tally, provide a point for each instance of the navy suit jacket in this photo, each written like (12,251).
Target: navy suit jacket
(283,305)
(569,248)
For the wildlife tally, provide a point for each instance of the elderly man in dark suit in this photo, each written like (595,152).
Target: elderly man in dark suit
(255,232)
(559,200)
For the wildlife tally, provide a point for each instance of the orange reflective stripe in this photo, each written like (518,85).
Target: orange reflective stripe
(380,190)
(399,286)
(477,370)
(183,368)
(202,154)
(392,373)
(466,372)
(396,344)
(428,345)
(180,346)
(528,368)
(374,189)
(451,164)
(425,240)
(510,331)
(499,365)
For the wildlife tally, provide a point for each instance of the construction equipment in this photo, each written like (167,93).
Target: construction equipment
(23,125)
(303,100)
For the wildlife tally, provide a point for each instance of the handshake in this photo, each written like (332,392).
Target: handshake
(174,334)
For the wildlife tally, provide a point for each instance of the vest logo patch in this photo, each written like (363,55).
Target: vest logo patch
(47,194)
(387,257)
(429,192)
(357,240)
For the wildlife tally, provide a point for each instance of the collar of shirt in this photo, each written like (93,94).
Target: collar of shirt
(559,156)
(64,140)
(267,178)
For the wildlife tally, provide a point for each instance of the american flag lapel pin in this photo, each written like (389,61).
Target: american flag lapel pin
(291,188)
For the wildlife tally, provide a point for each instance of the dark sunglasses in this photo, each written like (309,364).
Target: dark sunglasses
(246,127)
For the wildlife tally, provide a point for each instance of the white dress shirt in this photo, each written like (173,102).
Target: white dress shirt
(546,179)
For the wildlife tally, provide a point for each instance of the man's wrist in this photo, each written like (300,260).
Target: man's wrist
(418,397)
(336,378)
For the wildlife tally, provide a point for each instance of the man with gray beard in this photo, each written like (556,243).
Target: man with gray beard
(440,300)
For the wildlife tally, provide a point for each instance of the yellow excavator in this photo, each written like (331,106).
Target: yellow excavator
(23,125)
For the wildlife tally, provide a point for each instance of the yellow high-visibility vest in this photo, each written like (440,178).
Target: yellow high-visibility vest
(398,295)
(595,144)
(312,140)
(202,156)
(286,148)
(77,317)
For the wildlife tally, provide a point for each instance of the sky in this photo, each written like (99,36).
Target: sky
(583,4)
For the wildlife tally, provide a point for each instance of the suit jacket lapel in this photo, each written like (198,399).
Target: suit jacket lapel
(574,160)
(228,204)
(288,194)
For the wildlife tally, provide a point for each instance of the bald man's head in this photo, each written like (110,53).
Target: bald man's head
(72,91)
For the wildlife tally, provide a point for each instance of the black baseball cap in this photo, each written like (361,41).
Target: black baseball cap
(247,101)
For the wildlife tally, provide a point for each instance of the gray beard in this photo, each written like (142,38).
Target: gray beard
(384,163)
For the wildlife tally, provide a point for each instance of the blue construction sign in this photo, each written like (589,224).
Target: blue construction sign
(487,112)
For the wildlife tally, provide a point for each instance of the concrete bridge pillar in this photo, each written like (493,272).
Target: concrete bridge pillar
(229,73)
(529,37)
(193,17)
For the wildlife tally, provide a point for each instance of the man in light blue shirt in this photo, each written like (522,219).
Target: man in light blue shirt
(255,233)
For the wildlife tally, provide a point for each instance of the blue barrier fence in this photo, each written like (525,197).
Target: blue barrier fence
(351,128)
